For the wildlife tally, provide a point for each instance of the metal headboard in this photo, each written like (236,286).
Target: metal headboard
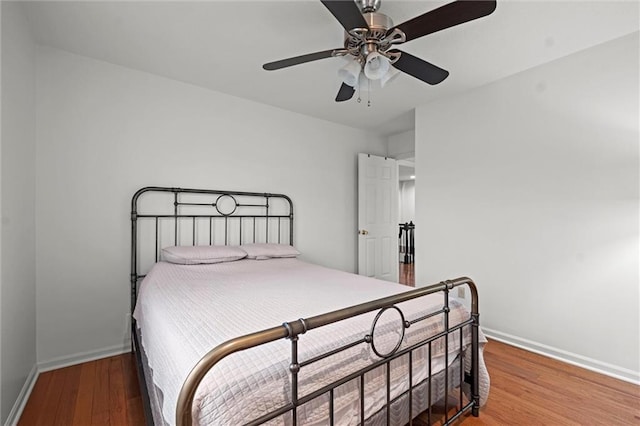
(162,217)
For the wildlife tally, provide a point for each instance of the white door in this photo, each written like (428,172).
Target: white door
(378,217)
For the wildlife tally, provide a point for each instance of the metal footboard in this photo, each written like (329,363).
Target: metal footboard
(294,329)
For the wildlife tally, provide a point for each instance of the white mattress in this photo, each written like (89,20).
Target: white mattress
(183,311)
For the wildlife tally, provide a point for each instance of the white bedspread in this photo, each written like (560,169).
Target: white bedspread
(183,311)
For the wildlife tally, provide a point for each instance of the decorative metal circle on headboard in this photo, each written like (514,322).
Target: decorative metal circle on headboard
(226,204)
(371,339)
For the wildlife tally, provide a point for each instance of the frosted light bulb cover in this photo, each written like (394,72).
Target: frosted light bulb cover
(350,73)
(376,66)
(389,76)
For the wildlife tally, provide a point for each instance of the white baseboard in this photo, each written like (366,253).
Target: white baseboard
(66,361)
(565,356)
(23,397)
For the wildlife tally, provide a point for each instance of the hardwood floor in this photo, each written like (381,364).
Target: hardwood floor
(407,274)
(530,389)
(102,392)
(526,389)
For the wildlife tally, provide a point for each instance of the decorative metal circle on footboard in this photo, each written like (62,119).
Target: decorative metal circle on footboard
(370,338)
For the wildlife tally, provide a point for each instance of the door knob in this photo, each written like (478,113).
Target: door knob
(363,232)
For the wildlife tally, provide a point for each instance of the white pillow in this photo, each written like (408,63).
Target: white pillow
(195,255)
(269,251)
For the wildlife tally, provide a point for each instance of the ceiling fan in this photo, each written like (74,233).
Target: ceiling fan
(370,39)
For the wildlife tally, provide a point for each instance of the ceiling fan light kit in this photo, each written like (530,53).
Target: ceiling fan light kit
(370,40)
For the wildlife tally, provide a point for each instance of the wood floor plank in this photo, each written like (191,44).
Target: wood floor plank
(526,389)
(132,390)
(406,274)
(117,400)
(560,399)
(52,398)
(84,400)
(68,395)
(100,408)
(135,411)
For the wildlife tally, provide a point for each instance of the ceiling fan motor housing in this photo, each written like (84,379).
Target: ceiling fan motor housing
(362,41)
(378,22)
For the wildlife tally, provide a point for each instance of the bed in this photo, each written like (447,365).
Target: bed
(230,326)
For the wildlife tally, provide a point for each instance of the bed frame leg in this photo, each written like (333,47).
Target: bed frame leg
(475,362)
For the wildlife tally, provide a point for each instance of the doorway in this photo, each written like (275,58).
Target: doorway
(407,222)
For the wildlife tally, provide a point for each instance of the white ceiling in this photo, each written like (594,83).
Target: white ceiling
(221,45)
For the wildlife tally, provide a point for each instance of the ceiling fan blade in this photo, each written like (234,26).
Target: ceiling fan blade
(296,60)
(345,93)
(418,68)
(446,16)
(347,13)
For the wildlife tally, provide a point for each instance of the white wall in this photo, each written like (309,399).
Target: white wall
(18,282)
(401,145)
(530,186)
(105,131)
(407,201)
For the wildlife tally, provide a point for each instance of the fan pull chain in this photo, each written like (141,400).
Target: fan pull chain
(359,92)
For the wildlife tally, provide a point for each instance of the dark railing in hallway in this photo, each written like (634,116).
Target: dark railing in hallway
(407,253)
(406,241)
